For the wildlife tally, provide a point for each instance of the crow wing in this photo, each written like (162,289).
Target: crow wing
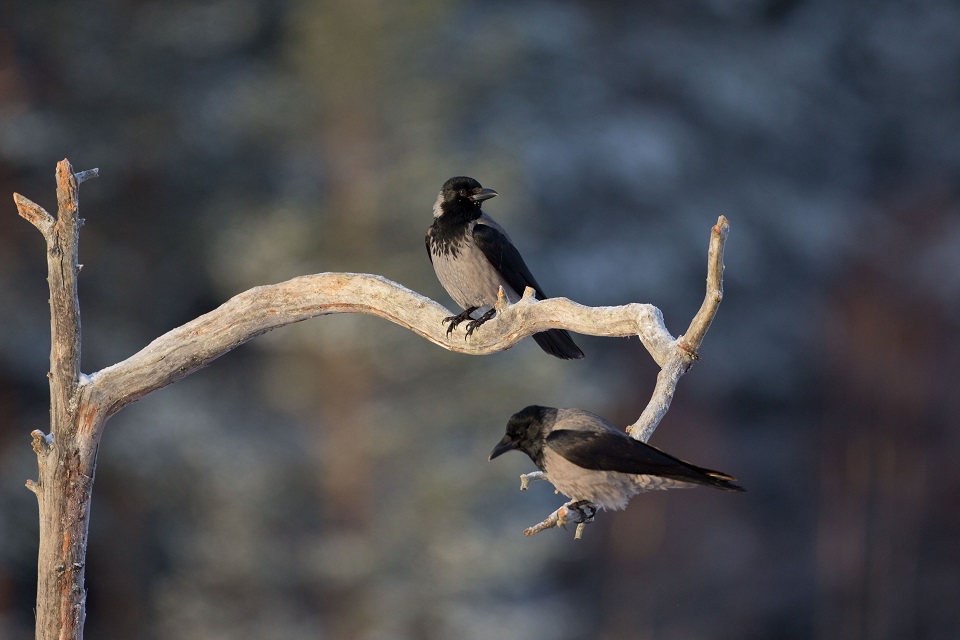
(616,451)
(505,259)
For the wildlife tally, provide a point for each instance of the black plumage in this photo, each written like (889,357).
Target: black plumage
(587,458)
(473,257)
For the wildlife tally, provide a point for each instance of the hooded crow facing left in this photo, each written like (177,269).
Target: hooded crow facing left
(588,459)
(473,257)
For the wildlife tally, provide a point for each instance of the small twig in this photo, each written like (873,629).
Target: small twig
(527,478)
(708,310)
(569,513)
(34,214)
(89,174)
(549,522)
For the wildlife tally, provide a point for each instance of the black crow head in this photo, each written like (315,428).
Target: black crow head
(465,190)
(526,431)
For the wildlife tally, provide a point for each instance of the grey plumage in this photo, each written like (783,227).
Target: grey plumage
(587,458)
(474,257)
(467,275)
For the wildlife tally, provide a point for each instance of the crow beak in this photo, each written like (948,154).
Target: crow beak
(507,444)
(483,194)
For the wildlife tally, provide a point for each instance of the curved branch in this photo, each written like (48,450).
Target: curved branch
(196,344)
(185,349)
(685,349)
(692,339)
(677,362)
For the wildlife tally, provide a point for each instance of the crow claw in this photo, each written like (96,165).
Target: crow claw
(473,324)
(586,509)
(454,321)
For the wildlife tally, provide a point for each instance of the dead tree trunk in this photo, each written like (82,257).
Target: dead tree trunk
(67,456)
(81,404)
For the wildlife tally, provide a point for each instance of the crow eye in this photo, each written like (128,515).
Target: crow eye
(463,193)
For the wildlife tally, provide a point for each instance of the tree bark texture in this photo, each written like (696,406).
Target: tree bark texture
(81,404)
(67,456)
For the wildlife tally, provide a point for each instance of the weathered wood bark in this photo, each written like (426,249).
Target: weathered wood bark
(67,456)
(80,404)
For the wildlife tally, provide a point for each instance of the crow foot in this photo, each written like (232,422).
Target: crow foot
(584,511)
(473,324)
(579,512)
(457,319)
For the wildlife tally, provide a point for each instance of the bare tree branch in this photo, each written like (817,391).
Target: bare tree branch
(675,361)
(247,315)
(81,405)
(83,176)
(66,458)
(692,339)
(34,214)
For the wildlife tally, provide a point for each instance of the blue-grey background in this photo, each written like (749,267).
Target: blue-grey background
(329,480)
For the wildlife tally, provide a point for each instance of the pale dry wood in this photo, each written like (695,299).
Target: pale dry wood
(691,340)
(684,351)
(67,456)
(675,359)
(34,214)
(80,404)
(247,315)
(569,513)
(533,476)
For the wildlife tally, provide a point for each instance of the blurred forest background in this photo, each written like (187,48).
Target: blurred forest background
(330,479)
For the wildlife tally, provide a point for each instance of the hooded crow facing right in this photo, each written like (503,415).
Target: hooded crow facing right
(473,257)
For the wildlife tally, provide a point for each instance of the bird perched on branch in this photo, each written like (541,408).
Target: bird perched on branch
(588,459)
(473,257)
